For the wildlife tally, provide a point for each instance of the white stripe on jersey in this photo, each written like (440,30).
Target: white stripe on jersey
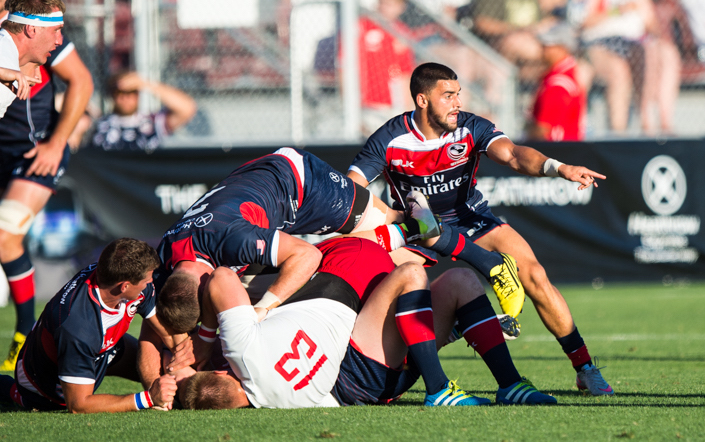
(64,53)
(295,158)
(77,380)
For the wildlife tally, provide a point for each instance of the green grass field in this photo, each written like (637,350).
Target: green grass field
(651,338)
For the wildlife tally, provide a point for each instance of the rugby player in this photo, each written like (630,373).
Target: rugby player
(250,217)
(270,369)
(436,149)
(80,338)
(34,152)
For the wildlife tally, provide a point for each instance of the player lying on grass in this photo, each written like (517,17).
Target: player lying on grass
(282,366)
(249,217)
(80,338)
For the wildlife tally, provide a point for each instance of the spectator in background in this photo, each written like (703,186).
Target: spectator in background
(560,105)
(510,28)
(663,65)
(611,32)
(385,67)
(695,10)
(127,129)
(34,156)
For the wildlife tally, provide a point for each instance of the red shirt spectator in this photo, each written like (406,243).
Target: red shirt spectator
(561,103)
(382,58)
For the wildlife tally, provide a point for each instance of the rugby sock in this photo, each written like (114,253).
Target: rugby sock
(454,244)
(411,228)
(414,319)
(20,276)
(390,237)
(576,350)
(479,326)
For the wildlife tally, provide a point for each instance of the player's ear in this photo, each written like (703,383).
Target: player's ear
(30,31)
(221,372)
(124,285)
(421,101)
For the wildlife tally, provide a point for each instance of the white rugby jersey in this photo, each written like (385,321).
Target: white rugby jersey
(291,359)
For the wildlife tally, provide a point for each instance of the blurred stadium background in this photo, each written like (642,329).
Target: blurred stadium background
(286,71)
(269,73)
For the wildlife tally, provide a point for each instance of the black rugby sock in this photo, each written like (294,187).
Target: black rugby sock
(452,243)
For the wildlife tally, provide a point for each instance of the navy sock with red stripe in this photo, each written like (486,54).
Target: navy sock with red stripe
(414,319)
(20,277)
(576,350)
(452,243)
(479,326)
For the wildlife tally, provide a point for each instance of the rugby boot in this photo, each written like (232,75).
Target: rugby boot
(420,210)
(589,378)
(511,329)
(453,396)
(15,347)
(504,280)
(523,393)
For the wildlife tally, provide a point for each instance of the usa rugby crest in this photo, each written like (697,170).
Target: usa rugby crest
(457,151)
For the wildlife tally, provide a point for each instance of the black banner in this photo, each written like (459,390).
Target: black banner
(642,223)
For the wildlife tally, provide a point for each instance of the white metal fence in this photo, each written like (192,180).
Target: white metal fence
(289,71)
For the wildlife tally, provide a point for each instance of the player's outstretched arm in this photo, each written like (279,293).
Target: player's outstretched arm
(80,397)
(529,161)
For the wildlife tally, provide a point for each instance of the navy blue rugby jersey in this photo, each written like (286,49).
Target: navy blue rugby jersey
(74,339)
(443,169)
(237,222)
(30,121)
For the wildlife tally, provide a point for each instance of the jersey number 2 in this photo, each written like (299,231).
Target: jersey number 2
(290,375)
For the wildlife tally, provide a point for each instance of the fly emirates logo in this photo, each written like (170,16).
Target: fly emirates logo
(435,184)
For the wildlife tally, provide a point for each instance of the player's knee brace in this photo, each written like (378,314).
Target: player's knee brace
(15,217)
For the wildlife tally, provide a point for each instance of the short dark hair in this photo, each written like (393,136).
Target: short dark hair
(32,7)
(113,80)
(425,77)
(177,303)
(126,259)
(207,390)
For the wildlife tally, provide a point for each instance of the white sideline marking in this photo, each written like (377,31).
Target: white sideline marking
(622,337)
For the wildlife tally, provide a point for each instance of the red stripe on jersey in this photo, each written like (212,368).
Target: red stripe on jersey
(34,90)
(181,250)
(255,214)
(459,247)
(484,335)
(49,345)
(22,289)
(117,331)
(415,327)
(429,162)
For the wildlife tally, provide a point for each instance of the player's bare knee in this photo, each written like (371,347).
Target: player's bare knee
(535,280)
(460,284)
(10,246)
(414,276)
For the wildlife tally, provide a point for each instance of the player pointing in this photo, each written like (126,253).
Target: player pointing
(436,149)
